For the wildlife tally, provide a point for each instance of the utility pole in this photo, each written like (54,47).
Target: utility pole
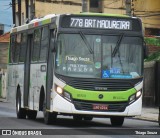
(19,12)
(84,5)
(26,6)
(128,7)
(32,11)
(13,11)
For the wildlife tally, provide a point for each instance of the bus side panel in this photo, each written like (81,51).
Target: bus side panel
(33,87)
(12,88)
(37,80)
(41,82)
(20,81)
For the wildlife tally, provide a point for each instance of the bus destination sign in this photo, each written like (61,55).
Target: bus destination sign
(100,23)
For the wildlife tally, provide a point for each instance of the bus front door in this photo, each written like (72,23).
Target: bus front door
(27,71)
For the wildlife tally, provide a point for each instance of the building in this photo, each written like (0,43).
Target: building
(4,43)
(147,10)
(1,29)
(150,15)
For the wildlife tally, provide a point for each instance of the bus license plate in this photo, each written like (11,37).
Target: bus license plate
(100,107)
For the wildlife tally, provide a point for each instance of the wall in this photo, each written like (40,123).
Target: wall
(3,85)
(114,6)
(149,84)
(3,55)
(43,9)
(66,7)
(150,7)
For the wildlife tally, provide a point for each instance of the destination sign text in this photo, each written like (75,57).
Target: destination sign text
(99,23)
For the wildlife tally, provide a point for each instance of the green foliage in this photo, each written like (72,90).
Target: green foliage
(152,41)
(155,56)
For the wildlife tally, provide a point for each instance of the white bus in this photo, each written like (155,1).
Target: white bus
(85,65)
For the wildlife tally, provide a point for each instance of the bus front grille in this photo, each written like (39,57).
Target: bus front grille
(111,107)
(101,85)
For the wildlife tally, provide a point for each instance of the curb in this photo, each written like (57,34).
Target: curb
(3,100)
(146,119)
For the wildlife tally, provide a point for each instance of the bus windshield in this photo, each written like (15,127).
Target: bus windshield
(75,59)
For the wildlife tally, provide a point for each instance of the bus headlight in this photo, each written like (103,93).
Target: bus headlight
(134,97)
(67,96)
(138,94)
(59,90)
(63,93)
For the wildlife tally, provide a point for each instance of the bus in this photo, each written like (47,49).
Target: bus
(83,65)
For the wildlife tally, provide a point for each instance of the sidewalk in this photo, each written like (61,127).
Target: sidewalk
(148,113)
(3,100)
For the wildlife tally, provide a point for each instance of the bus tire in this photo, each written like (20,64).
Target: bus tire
(41,99)
(49,117)
(21,112)
(31,114)
(117,120)
(77,117)
(159,119)
(88,118)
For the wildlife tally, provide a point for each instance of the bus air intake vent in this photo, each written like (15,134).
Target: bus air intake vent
(100,85)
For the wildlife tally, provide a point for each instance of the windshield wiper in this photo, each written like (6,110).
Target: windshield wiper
(86,42)
(117,45)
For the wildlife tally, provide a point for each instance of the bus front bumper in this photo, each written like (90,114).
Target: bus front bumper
(61,105)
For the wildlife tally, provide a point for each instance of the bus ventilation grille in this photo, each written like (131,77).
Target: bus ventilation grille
(101,85)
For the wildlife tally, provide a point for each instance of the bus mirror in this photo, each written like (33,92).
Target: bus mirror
(58,46)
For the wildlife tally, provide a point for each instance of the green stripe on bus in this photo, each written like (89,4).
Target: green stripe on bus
(110,96)
(46,21)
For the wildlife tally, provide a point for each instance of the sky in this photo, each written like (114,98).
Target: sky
(6,14)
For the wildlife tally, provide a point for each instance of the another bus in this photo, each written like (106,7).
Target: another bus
(85,65)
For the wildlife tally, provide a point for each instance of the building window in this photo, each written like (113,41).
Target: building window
(36,45)
(23,48)
(44,43)
(12,48)
(94,4)
(17,48)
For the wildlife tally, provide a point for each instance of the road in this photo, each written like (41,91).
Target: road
(65,126)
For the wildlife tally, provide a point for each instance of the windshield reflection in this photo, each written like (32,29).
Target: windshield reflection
(74,57)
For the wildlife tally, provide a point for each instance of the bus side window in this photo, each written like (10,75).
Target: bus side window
(44,43)
(36,45)
(12,48)
(23,48)
(17,48)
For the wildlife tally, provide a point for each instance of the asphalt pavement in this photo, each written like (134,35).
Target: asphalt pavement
(148,113)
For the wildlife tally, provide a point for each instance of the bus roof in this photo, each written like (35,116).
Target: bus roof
(48,19)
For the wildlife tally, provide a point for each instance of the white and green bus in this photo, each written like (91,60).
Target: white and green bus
(83,65)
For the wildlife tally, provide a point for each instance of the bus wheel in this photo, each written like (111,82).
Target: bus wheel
(21,112)
(31,114)
(159,119)
(49,117)
(88,118)
(117,120)
(77,117)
